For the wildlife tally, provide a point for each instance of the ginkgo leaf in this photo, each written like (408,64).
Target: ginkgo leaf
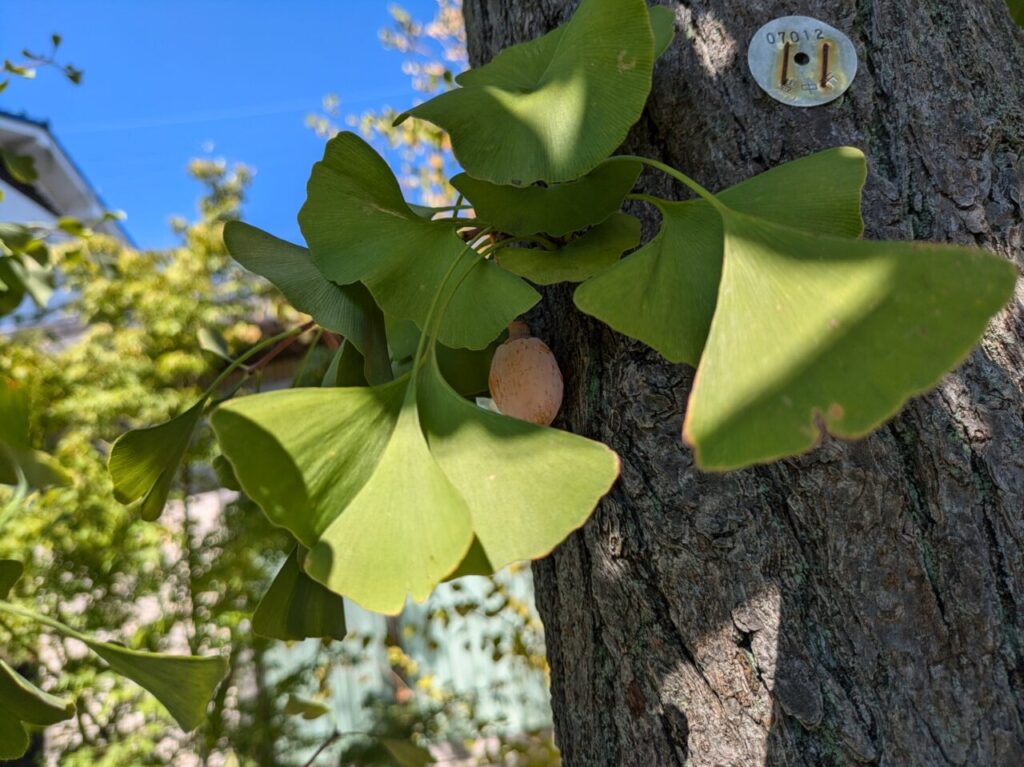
(554,108)
(347,368)
(558,209)
(346,309)
(387,486)
(1017,10)
(144,462)
(184,684)
(815,332)
(307,709)
(581,259)
(21,703)
(663,22)
(360,229)
(665,294)
(466,370)
(296,607)
(11,571)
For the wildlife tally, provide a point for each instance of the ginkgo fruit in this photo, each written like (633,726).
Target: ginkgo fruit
(525,381)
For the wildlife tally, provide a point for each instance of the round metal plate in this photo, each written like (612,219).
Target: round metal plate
(802,62)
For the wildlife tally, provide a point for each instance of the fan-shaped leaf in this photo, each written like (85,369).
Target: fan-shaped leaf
(21,703)
(816,332)
(307,709)
(554,108)
(665,293)
(388,485)
(144,462)
(183,684)
(360,229)
(296,607)
(407,754)
(581,259)
(558,209)
(663,22)
(346,309)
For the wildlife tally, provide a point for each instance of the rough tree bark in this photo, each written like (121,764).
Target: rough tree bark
(860,605)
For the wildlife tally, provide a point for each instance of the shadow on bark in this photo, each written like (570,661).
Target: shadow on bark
(859,605)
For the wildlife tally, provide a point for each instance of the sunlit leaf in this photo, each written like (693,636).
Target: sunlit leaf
(663,22)
(407,754)
(307,709)
(144,462)
(183,684)
(665,294)
(22,703)
(346,309)
(557,209)
(815,332)
(554,108)
(581,259)
(10,573)
(296,607)
(387,486)
(360,229)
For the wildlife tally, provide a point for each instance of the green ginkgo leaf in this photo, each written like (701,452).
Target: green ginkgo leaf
(406,754)
(581,259)
(665,294)
(466,370)
(663,22)
(554,108)
(21,166)
(347,368)
(22,703)
(558,209)
(387,486)
(296,607)
(1017,10)
(346,309)
(144,462)
(184,684)
(815,332)
(360,229)
(11,571)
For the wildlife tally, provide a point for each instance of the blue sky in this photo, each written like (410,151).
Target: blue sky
(171,80)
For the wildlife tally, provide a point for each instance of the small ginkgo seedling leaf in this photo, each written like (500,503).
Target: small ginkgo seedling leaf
(22,703)
(815,332)
(360,229)
(665,294)
(11,571)
(663,22)
(346,309)
(387,485)
(307,709)
(559,209)
(296,607)
(184,684)
(144,462)
(552,109)
(581,259)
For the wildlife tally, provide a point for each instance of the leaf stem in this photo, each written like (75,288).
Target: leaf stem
(278,342)
(678,175)
(23,612)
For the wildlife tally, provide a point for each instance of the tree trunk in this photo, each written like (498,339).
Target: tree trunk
(862,604)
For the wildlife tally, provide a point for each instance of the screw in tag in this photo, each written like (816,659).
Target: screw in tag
(802,62)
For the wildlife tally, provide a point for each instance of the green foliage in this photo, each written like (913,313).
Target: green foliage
(665,294)
(398,468)
(19,463)
(10,573)
(360,229)
(22,703)
(1017,10)
(558,209)
(552,109)
(296,607)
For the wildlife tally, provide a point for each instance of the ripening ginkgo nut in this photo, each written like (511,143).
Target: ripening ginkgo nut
(525,381)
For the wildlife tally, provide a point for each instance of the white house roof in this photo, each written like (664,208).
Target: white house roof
(61,188)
